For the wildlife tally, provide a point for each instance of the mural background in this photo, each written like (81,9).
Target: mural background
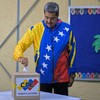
(85,22)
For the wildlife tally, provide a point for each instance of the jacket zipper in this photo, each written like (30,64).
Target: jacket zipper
(52,55)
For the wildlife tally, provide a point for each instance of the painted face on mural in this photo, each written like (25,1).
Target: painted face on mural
(50,19)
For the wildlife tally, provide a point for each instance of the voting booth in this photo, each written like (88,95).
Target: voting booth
(26,86)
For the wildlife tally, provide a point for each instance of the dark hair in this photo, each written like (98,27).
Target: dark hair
(52,7)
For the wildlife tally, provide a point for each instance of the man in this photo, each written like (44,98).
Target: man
(54,51)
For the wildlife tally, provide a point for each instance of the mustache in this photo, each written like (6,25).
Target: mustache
(48,23)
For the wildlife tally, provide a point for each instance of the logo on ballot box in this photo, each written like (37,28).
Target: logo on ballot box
(27,86)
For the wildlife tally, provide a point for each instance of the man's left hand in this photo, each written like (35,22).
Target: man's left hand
(71,80)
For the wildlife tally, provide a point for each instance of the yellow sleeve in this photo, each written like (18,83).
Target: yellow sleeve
(23,44)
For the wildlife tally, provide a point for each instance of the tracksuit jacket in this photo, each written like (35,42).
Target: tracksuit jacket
(54,50)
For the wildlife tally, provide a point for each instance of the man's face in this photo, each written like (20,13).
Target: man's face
(50,19)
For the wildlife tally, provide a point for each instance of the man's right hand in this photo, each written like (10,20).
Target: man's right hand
(23,60)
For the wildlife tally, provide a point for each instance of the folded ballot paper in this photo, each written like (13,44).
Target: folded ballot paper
(26,85)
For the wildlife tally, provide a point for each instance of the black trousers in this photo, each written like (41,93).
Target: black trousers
(58,88)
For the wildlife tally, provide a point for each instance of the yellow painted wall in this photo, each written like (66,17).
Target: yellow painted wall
(85,2)
(8,15)
(8,20)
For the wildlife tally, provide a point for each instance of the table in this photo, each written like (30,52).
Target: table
(6,95)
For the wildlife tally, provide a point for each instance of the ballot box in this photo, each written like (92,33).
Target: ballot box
(26,86)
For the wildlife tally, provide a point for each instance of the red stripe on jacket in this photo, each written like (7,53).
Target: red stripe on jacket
(61,71)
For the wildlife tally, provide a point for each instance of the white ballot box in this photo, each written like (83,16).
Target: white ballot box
(26,86)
